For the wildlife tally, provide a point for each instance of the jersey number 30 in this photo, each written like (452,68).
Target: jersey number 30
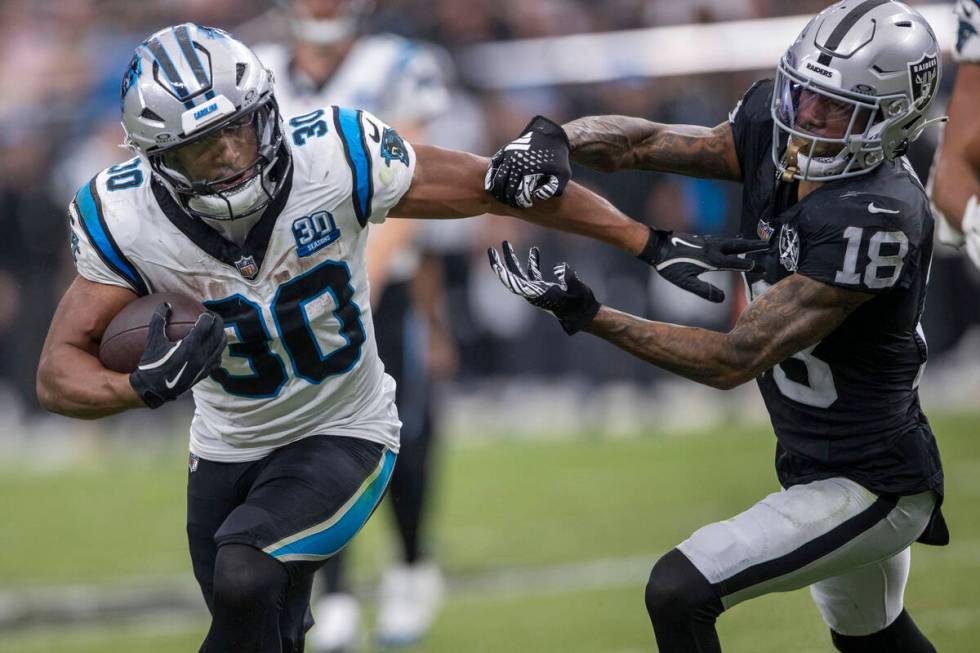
(292,323)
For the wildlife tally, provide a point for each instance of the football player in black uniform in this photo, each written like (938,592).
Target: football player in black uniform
(832,334)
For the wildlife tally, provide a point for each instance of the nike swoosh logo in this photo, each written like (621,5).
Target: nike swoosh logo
(674,240)
(170,383)
(161,361)
(877,209)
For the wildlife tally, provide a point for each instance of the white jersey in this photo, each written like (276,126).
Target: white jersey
(967,39)
(302,358)
(398,80)
(403,82)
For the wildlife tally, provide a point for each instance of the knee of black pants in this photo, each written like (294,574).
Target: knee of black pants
(245,576)
(678,592)
(902,636)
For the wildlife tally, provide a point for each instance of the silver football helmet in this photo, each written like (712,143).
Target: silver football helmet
(198,106)
(853,90)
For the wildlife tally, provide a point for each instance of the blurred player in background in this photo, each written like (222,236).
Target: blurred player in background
(328,61)
(832,334)
(955,177)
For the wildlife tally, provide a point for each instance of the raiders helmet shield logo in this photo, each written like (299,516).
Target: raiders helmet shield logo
(924,78)
(789,247)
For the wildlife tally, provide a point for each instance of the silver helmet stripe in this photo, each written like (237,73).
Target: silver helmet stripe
(167,65)
(843,27)
(184,40)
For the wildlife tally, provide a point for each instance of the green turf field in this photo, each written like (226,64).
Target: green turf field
(505,510)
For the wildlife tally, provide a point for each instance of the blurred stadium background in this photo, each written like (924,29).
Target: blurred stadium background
(569,467)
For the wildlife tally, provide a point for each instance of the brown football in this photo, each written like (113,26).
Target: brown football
(125,337)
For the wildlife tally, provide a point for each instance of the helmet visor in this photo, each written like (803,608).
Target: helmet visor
(223,158)
(817,116)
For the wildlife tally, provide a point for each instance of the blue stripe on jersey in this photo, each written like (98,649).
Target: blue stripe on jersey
(90,208)
(326,539)
(348,122)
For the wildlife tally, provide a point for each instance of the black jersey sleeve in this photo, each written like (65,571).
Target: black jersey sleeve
(751,123)
(868,243)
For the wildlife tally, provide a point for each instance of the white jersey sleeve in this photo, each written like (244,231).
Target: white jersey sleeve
(97,255)
(967,39)
(381,163)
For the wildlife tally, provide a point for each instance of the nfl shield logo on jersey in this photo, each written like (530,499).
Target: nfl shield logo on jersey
(764,230)
(789,247)
(247,267)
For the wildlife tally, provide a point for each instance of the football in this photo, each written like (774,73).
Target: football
(125,337)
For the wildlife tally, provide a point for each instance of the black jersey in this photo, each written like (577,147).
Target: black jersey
(849,405)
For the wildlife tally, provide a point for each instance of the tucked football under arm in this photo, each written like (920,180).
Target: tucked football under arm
(792,315)
(449,184)
(70,379)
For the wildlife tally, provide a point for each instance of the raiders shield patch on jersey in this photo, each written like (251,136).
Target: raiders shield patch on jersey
(789,247)
(923,78)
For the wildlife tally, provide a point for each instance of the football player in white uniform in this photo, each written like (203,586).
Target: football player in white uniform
(264,220)
(327,60)
(955,178)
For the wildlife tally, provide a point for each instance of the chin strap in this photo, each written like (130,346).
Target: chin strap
(791,158)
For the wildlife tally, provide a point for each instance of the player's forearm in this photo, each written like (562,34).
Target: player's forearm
(610,143)
(955,175)
(794,314)
(697,354)
(429,294)
(954,183)
(582,212)
(73,383)
(449,184)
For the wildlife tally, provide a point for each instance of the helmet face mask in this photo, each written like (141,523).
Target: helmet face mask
(853,89)
(222,173)
(198,107)
(820,132)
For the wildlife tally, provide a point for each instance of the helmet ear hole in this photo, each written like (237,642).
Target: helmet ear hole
(149,114)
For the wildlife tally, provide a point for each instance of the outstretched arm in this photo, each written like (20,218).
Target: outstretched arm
(794,314)
(611,143)
(449,184)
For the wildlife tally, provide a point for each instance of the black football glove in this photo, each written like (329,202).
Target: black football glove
(680,258)
(534,166)
(169,368)
(571,301)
